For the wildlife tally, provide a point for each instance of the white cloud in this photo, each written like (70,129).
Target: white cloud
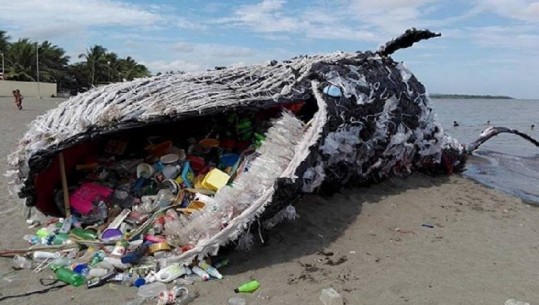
(276,21)
(183,47)
(522,38)
(184,23)
(266,16)
(525,10)
(208,50)
(175,65)
(389,16)
(24,17)
(200,56)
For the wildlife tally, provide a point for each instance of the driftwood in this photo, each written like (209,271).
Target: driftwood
(493,131)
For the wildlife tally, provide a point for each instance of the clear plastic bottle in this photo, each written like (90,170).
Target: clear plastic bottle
(171,272)
(210,270)
(97,272)
(41,256)
(100,281)
(200,272)
(97,257)
(62,261)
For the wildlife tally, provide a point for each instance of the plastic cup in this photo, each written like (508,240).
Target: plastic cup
(145,170)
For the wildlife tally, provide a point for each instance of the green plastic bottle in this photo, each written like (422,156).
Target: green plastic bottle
(84,234)
(249,287)
(67,275)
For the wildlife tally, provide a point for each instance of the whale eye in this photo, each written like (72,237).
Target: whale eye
(332,91)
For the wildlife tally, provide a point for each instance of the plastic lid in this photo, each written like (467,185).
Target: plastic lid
(170,158)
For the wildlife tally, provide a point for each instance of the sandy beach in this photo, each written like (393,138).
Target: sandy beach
(416,240)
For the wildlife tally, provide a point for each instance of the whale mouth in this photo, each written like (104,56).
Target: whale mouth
(280,142)
(288,144)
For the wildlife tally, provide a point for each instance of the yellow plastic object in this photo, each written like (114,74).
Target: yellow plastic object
(198,182)
(215,179)
(196,205)
(159,247)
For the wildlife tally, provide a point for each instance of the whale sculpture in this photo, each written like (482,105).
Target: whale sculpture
(363,117)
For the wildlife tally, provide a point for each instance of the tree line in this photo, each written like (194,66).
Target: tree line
(97,66)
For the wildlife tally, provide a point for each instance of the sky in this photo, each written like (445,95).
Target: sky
(486,47)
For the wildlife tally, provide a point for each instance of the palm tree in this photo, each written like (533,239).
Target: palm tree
(95,61)
(4,41)
(113,67)
(130,69)
(52,62)
(21,60)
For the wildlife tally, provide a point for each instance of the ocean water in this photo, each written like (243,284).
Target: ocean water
(506,162)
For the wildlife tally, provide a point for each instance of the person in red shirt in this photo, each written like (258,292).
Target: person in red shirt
(18,98)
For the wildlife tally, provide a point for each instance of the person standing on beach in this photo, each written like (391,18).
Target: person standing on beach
(18,98)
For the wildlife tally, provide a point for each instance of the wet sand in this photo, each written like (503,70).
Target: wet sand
(419,240)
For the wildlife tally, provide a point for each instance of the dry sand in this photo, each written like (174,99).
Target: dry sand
(367,243)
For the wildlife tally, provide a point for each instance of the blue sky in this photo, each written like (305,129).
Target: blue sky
(487,46)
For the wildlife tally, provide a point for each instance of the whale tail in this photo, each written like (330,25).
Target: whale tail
(405,40)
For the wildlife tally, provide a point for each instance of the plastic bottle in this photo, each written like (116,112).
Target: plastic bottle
(135,256)
(116,263)
(100,281)
(97,257)
(97,272)
(60,239)
(62,261)
(164,198)
(200,272)
(210,270)
(82,269)
(124,279)
(249,287)
(41,256)
(67,275)
(171,272)
(66,225)
(84,234)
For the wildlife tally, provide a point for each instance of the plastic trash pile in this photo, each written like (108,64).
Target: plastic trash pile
(126,209)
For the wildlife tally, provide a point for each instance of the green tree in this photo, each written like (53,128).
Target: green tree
(4,41)
(4,44)
(98,67)
(130,69)
(52,62)
(113,67)
(21,60)
(95,63)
